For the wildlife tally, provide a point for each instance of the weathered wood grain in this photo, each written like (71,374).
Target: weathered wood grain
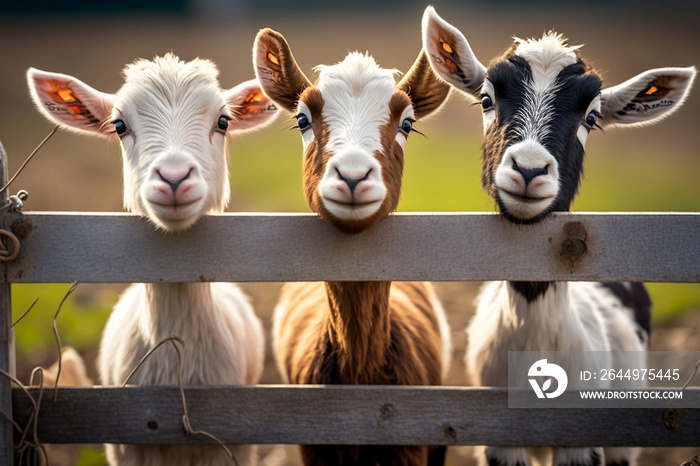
(343,415)
(295,247)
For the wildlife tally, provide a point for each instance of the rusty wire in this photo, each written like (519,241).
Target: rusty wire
(29,158)
(692,461)
(175,341)
(24,445)
(58,338)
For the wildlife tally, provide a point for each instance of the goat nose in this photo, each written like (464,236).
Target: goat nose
(529,174)
(353,182)
(172,180)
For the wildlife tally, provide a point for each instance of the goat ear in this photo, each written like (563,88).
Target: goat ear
(426,90)
(450,54)
(276,70)
(70,102)
(250,107)
(647,97)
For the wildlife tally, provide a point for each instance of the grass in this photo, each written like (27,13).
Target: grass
(80,321)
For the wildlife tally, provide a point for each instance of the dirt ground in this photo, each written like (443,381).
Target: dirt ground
(621,40)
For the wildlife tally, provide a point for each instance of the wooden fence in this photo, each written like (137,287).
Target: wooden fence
(93,247)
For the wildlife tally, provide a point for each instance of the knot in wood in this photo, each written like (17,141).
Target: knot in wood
(573,249)
(387,411)
(672,419)
(450,432)
(574,245)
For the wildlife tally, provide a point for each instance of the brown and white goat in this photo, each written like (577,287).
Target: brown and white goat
(354,122)
(172,119)
(540,100)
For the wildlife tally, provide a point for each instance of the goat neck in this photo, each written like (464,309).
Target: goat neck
(359,328)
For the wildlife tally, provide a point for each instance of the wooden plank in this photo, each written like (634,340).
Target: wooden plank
(294,247)
(7,347)
(344,415)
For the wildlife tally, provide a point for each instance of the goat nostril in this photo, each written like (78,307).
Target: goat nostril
(174,183)
(530,174)
(353,182)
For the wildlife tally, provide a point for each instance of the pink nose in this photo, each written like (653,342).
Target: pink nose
(174,179)
(352,180)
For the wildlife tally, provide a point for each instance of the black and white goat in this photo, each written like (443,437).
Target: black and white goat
(540,100)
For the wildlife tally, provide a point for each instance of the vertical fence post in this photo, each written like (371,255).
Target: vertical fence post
(7,350)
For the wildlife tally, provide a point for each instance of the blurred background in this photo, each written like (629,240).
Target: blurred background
(654,168)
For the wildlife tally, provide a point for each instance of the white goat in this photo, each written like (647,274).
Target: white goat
(540,100)
(172,119)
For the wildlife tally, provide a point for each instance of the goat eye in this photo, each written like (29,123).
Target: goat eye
(303,122)
(486,102)
(591,119)
(222,124)
(407,125)
(119,127)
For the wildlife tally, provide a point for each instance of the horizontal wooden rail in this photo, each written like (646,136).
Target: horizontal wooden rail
(344,415)
(120,248)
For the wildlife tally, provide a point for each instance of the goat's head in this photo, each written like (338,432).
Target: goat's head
(172,119)
(354,122)
(540,100)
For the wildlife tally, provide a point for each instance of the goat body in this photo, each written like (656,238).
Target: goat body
(354,123)
(540,101)
(172,119)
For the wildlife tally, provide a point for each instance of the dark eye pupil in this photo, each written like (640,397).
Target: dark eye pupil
(591,119)
(119,127)
(222,124)
(486,102)
(407,126)
(302,121)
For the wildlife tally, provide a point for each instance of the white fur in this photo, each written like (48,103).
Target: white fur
(570,316)
(171,109)
(547,57)
(617,97)
(541,191)
(356,94)
(488,115)
(224,345)
(470,65)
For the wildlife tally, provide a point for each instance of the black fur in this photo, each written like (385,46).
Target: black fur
(497,462)
(437,455)
(636,297)
(531,290)
(576,88)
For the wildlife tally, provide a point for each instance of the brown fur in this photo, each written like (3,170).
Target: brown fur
(357,332)
(360,333)
(426,90)
(284,81)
